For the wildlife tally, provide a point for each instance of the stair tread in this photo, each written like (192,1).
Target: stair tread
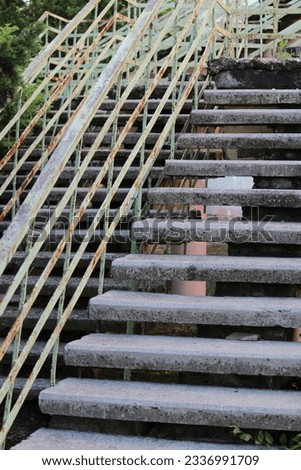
(211,230)
(146,306)
(268,168)
(174,403)
(185,353)
(43,256)
(36,388)
(36,348)
(228,197)
(57,439)
(250,140)
(252,96)
(245,116)
(219,268)
(53,281)
(35,313)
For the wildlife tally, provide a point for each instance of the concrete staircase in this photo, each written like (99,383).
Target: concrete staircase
(119,245)
(199,364)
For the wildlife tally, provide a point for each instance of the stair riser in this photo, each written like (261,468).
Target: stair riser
(217,275)
(231,232)
(245,117)
(270,169)
(90,290)
(259,318)
(207,197)
(252,97)
(192,363)
(211,268)
(251,141)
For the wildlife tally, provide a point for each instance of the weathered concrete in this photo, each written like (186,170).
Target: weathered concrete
(256,73)
(154,307)
(269,141)
(203,168)
(185,354)
(170,403)
(252,97)
(34,354)
(53,439)
(52,282)
(245,117)
(57,194)
(211,230)
(259,63)
(140,89)
(226,197)
(78,320)
(36,389)
(211,268)
(44,256)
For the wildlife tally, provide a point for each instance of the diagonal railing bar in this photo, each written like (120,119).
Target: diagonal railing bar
(51,123)
(52,73)
(18,228)
(124,207)
(87,160)
(37,64)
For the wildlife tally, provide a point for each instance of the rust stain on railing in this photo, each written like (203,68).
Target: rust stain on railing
(207,30)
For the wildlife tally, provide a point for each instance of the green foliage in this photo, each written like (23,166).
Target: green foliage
(264,438)
(19,41)
(11,109)
(282,52)
(67,9)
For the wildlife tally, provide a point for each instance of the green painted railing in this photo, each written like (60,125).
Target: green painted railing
(143,43)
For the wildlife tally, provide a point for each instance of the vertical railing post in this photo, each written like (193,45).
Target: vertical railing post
(276,28)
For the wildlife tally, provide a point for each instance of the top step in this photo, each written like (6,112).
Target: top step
(252,97)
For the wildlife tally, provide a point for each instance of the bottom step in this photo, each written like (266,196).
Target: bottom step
(173,403)
(52,439)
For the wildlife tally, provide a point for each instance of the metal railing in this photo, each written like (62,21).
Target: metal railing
(110,56)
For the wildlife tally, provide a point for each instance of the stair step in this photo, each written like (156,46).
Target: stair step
(35,352)
(119,236)
(36,389)
(102,153)
(52,282)
(252,97)
(211,268)
(243,140)
(101,118)
(130,139)
(245,117)
(89,175)
(207,168)
(218,356)
(43,257)
(89,214)
(158,92)
(78,321)
(56,194)
(211,230)
(226,197)
(172,403)
(57,439)
(117,305)
(131,105)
